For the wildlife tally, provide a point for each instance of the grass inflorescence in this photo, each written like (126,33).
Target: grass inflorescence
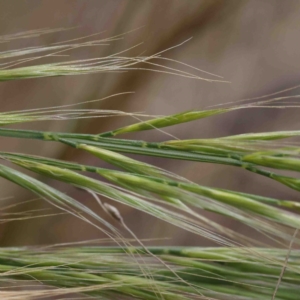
(240,267)
(209,273)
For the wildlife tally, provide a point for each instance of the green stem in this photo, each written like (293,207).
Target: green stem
(144,148)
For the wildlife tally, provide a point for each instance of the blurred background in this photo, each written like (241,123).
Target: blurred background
(252,44)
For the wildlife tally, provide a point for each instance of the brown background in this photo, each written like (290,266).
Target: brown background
(253,44)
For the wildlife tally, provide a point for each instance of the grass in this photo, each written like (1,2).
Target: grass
(239,268)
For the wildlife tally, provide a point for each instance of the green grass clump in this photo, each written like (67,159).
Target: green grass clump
(106,272)
(240,268)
